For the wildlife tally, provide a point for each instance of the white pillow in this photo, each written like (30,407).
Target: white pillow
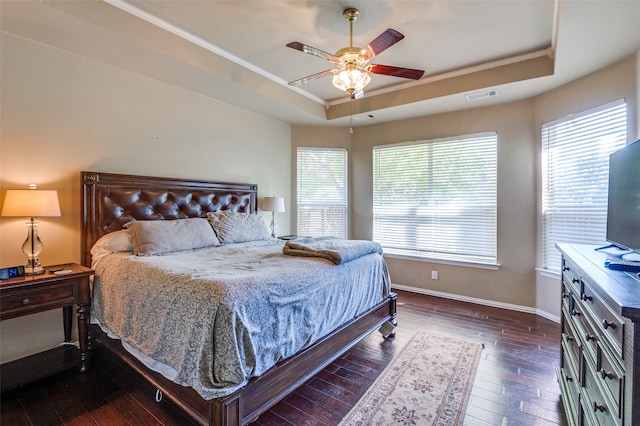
(151,237)
(109,243)
(233,227)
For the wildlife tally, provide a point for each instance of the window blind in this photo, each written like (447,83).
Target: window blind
(575,177)
(437,197)
(322,192)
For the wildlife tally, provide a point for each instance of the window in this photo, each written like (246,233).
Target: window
(575,172)
(322,192)
(437,198)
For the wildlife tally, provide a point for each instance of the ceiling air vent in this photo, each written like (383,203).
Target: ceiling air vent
(481,95)
(363,117)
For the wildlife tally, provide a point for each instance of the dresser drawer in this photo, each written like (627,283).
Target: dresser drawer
(594,403)
(570,391)
(33,300)
(572,278)
(570,343)
(610,326)
(585,330)
(566,296)
(611,378)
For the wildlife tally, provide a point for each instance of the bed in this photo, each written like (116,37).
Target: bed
(245,375)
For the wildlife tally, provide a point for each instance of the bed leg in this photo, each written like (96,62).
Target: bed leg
(388,328)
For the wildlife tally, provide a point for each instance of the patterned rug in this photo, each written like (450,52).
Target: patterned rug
(428,383)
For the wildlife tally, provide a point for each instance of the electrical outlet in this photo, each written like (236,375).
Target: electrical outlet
(434,275)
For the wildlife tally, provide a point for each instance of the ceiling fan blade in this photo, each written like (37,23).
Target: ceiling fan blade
(311,77)
(395,71)
(381,43)
(313,51)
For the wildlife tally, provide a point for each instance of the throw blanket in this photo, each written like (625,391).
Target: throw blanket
(334,249)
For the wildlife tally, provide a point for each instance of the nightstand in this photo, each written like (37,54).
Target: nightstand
(31,294)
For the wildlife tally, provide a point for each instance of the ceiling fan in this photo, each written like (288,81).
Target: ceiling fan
(353,67)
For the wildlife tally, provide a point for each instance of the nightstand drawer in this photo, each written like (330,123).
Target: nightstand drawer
(34,300)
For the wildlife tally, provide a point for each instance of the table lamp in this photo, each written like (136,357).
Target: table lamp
(273,205)
(31,203)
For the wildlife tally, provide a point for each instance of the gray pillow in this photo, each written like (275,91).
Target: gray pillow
(151,237)
(233,227)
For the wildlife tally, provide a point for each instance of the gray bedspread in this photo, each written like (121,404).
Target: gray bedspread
(334,249)
(213,318)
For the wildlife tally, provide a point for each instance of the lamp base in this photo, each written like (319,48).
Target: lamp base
(32,247)
(33,267)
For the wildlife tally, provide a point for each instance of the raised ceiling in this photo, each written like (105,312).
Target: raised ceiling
(235,51)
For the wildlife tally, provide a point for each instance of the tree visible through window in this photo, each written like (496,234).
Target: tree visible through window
(575,177)
(437,198)
(322,192)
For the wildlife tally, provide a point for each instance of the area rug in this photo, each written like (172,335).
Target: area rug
(428,383)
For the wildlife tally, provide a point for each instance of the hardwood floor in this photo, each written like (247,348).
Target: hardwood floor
(515,383)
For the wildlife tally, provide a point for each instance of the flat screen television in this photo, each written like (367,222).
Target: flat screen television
(623,210)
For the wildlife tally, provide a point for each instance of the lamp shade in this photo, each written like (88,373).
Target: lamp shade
(31,203)
(273,204)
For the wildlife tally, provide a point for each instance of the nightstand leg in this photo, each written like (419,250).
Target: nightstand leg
(83,336)
(67,314)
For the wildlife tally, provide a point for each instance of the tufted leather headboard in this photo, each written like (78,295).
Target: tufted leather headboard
(111,200)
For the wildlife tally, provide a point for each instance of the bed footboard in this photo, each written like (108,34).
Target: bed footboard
(261,393)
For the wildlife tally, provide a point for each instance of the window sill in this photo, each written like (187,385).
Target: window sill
(439,258)
(548,273)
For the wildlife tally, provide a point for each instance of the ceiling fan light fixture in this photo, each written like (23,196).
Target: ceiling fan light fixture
(353,67)
(351,80)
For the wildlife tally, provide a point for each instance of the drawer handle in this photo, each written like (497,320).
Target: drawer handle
(570,339)
(606,324)
(606,375)
(575,280)
(574,312)
(566,268)
(590,337)
(597,407)
(586,298)
(569,379)
(26,301)
(565,295)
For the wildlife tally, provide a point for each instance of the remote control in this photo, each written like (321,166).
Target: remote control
(622,265)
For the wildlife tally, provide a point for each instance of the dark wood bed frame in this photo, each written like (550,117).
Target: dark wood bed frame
(110,200)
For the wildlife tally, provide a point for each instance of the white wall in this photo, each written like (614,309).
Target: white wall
(63,113)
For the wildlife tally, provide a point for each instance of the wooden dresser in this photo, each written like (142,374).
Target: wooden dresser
(599,371)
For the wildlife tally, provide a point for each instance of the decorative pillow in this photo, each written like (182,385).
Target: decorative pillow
(233,227)
(151,237)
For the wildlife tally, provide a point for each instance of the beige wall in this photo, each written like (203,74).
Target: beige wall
(63,113)
(512,283)
(614,82)
(518,126)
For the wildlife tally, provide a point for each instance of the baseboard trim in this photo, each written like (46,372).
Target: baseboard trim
(484,302)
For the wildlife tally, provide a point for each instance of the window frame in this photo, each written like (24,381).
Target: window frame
(337,204)
(442,146)
(589,216)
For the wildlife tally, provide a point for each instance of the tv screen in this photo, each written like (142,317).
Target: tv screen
(623,211)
